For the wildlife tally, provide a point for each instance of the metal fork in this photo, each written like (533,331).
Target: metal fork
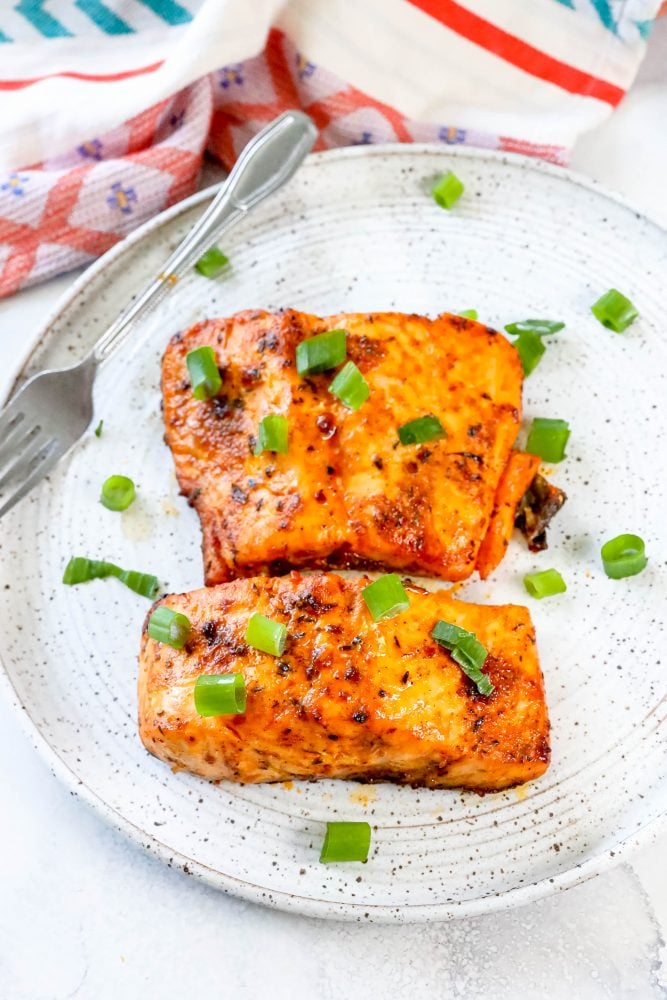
(53,409)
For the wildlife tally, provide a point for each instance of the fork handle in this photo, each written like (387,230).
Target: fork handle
(266,163)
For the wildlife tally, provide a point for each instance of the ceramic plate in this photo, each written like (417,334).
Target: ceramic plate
(356,230)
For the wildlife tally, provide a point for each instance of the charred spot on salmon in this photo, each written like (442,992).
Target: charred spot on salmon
(352,674)
(320,496)
(330,470)
(474,430)
(404,678)
(239,495)
(210,630)
(424,455)
(360,717)
(283,668)
(538,506)
(377,462)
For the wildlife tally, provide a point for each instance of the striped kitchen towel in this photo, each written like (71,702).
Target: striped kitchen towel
(108,106)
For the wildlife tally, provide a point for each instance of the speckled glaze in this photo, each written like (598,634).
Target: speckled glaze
(356,230)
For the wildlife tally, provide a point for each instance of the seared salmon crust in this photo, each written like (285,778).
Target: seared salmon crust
(347,494)
(350,697)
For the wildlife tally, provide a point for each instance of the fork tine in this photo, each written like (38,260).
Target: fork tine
(47,462)
(11,411)
(21,462)
(16,441)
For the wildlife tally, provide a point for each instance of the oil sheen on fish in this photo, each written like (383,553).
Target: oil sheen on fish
(350,697)
(347,493)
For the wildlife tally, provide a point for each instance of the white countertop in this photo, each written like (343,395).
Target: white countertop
(84,913)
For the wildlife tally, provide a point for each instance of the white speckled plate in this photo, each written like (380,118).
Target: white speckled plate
(356,231)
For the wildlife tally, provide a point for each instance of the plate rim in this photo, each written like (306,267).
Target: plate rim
(281,899)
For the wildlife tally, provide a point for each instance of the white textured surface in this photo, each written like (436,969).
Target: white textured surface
(85,914)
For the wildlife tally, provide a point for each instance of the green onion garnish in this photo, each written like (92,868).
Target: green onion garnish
(466,649)
(118,492)
(530,348)
(170,627)
(98,429)
(266,635)
(469,314)
(614,311)
(385,597)
(80,570)
(422,429)
(447,190)
(322,352)
(220,694)
(540,327)
(350,386)
(212,263)
(346,842)
(547,438)
(546,583)
(623,556)
(272,434)
(204,373)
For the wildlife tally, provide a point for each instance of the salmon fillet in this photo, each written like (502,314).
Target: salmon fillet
(349,698)
(348,493)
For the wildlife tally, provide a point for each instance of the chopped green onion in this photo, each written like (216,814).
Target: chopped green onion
(220,694)
(623,556)
(272,434)
(546,583)
(98,429)
(469,314)
(530,348)
(447,190)
(266,635)
(385,597)
(614,311)
(118,492)
(350,386)
(547,438)
(212,263)
(466,649)
(540,327)
(422,429)
(322,352)
(80,570)
(346,842)
(204,373)
(169,626)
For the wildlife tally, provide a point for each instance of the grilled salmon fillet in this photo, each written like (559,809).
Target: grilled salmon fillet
(350,698)
(347,493)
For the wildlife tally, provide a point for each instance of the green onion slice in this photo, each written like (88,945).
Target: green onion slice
(530,348)
(266,635)
(547,438)
(385,597)
(546,583)
(469,314)
(346,842)
(169,626)
(80,570)
(204,373)
(614,311)
(220,694)
(273,434)
(466,649)
(623,556)
(322,352)
(212,263)
(350,386)
(540,327)
(118,492)
(98,429)
(447,190)
(422,429)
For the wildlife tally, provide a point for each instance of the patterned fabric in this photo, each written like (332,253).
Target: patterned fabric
(489,73)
